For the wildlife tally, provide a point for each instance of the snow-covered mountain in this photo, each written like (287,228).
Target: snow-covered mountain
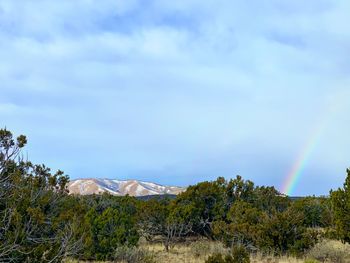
(120,187)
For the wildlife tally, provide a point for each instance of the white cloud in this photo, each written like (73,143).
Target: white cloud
(190,85)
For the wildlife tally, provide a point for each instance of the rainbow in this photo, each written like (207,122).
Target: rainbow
(304,156)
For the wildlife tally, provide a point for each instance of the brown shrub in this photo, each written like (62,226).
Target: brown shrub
(330,251)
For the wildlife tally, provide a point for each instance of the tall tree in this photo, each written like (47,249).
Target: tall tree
(341,206)
(29,208)
(112,224)
(205,203)
(165,220)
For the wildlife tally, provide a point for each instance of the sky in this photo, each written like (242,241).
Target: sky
(178,92)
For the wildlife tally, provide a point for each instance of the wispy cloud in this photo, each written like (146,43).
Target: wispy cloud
(178,91)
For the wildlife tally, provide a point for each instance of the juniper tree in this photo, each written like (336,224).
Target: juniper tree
(29,208)
(341,207)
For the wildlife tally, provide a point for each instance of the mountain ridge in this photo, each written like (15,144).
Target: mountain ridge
(88,186)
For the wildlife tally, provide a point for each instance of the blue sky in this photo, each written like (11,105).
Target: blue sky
(178,92)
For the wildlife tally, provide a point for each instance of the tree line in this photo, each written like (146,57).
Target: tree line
(41,222)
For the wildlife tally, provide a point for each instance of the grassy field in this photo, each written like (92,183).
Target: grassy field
(197,252)
(193,253)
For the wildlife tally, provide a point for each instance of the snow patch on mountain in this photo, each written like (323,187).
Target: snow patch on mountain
(120,187)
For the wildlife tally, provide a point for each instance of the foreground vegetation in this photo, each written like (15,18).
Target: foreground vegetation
(218,221)
(200,251)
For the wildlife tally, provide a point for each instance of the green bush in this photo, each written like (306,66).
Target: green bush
(216,258)
(311,261)
(200,248)
(341,209)
(111,227)
(284,233)
(240,255)
(39,222)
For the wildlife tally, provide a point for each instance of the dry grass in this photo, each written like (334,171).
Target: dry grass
(186,254)
(273,259)
(198,252)
(330,251)
(180,253)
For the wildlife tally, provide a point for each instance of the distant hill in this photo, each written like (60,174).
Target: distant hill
(120,187)
(157,197)
(295,198)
